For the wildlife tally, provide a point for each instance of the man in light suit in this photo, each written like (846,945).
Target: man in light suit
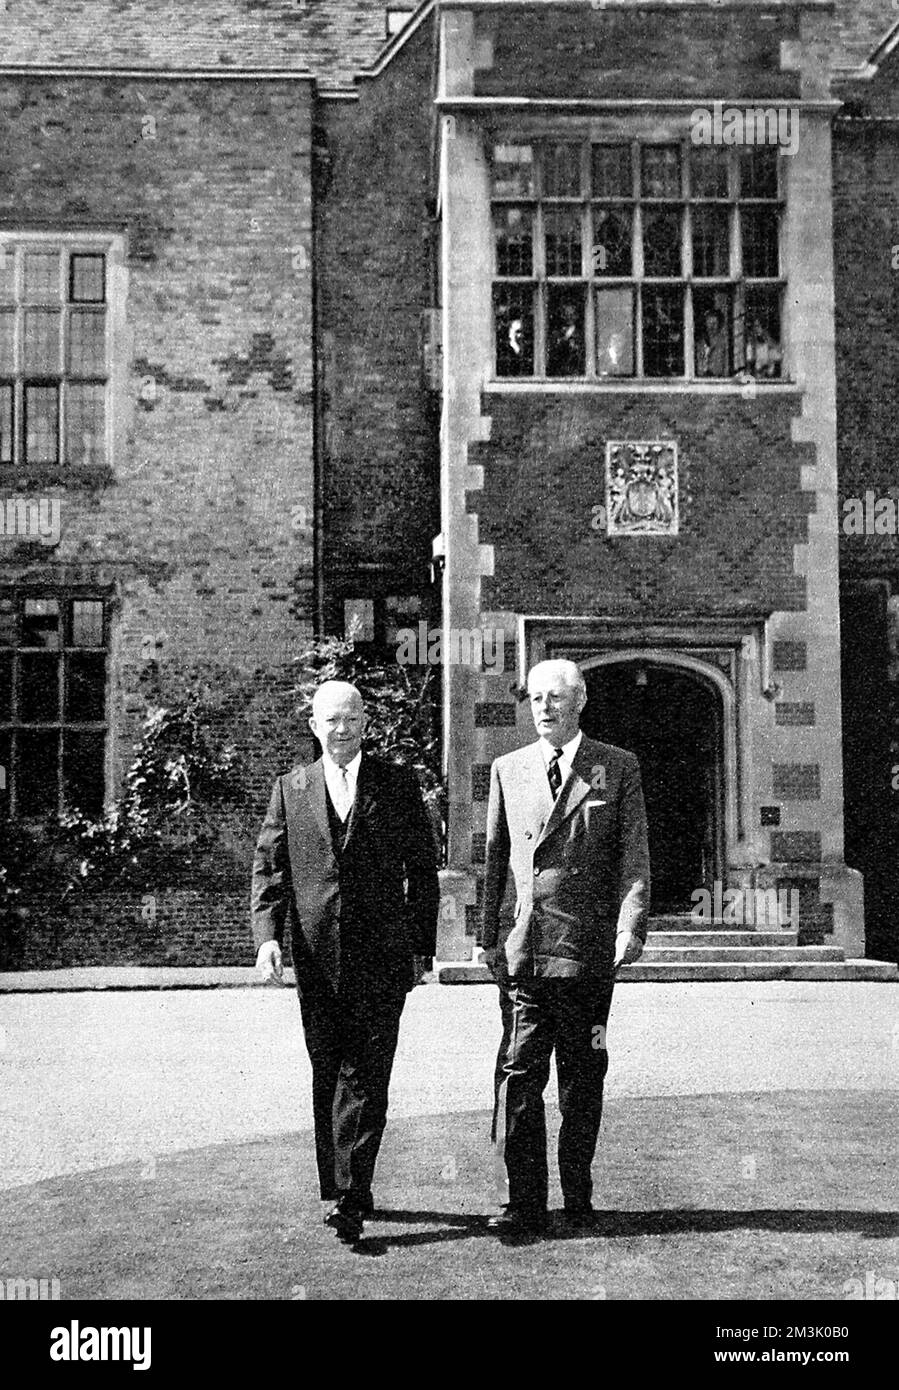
(566,815)
(346,856)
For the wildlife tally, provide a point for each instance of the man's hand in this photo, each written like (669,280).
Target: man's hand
(269,963)
(628,948)
(420,967)
(488,957)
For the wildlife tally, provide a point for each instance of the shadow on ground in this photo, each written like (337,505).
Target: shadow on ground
(786,1195)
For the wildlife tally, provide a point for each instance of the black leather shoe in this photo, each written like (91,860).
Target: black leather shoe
(517,1224)
(348,1225)
(580,1218)
(363,1206)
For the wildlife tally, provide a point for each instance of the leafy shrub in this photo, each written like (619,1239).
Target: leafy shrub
(164,821)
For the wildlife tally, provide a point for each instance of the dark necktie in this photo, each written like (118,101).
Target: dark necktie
(555,772)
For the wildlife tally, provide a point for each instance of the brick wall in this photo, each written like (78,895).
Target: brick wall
(741,507)
(202,532)
(203,525)
(607,53)
(866,246)
(866,243)
(185,927)
(376,278)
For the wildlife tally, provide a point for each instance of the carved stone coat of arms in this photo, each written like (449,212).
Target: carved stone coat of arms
(641,487)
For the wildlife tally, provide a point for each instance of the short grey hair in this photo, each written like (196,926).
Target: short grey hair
(568,672)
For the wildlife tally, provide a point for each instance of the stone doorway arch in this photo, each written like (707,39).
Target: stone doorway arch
(670,709)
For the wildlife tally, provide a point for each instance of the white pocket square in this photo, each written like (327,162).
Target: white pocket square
(596,803)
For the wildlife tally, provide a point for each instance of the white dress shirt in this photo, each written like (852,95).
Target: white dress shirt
(569,752)
(341,783)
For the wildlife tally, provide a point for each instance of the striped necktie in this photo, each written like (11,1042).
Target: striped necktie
(555,772)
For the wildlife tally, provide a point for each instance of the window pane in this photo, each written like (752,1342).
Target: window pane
(42,282)
(764,353)
(661,171)
(42,424)
(83,771)
(87,279)
(6,424)
(562,227)
(85,688)
(85,424)
(87,623)
(513,171)
(561,171)
(513,233)
(711,242)
(514,320)
(8,622)
(615,332)
(612,171)
(663,332)
(7,341)
(38,688)
(708,172)
(565,331)
(5,775)
(40,623)
(42,342)
(662,243)
(760,236)
(612,242)
(87,342)
(7,273)
(5,686)
(713,333)
(758,172)
(37,772)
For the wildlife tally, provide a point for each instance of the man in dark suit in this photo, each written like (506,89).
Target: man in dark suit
(346,855)
(566,815)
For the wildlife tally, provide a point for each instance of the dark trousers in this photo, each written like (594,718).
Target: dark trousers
(351,1040)
(540,1015)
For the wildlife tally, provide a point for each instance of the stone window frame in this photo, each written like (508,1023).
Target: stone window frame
(14,720)
(16,468)
(593,279)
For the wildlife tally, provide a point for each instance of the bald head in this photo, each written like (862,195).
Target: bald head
(338,720)
(558,693)
(333,693)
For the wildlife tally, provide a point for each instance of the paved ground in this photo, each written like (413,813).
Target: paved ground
(157,1144)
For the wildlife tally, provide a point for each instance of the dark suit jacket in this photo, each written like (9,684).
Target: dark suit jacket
(357,919)
(580,866)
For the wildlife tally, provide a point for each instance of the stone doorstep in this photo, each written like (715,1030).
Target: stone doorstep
(728,955)
(666,940)
(666,923)
(712,971)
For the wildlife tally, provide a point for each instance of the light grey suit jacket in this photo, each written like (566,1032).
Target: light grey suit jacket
(580,865)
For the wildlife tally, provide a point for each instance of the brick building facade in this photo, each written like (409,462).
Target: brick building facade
(461,325)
